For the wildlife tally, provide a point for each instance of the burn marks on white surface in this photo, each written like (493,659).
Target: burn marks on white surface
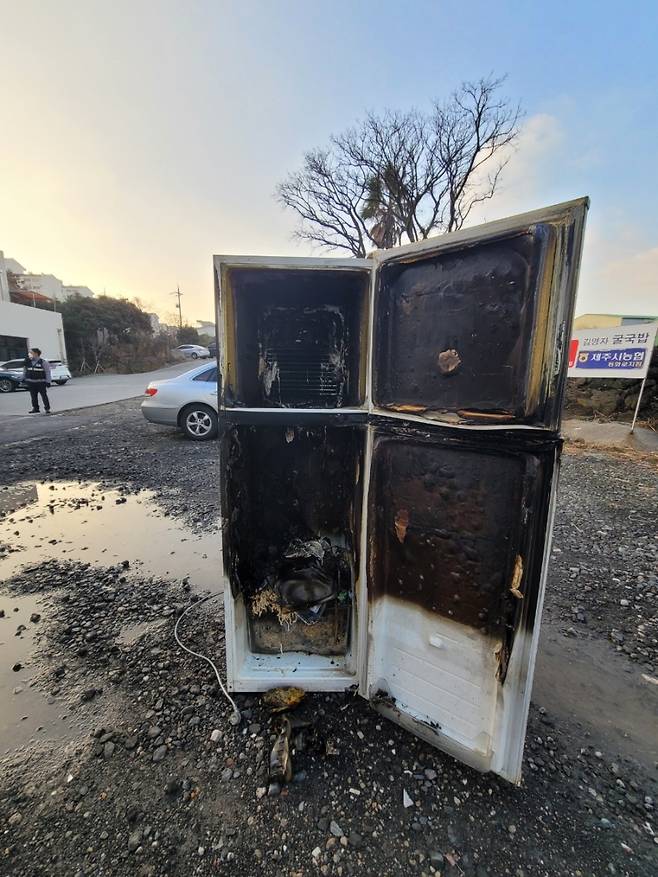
(298,338)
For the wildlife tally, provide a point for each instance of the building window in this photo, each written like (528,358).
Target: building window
(12,347)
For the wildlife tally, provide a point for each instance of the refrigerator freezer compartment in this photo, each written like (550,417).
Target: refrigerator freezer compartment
(295,338)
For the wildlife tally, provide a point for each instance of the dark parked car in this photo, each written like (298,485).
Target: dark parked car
(9,382)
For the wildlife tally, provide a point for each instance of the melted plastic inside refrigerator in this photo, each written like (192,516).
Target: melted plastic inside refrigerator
(389,453)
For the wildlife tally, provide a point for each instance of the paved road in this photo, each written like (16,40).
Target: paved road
(90,390)
(611,435)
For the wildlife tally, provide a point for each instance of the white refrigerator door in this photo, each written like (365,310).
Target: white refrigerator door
(470,330)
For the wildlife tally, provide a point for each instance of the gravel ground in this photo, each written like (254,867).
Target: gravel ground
(604,573)
(158,782)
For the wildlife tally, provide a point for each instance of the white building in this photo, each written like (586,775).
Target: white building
(22,327)
(14,266)
(4,283)
(45,284)
(156,328)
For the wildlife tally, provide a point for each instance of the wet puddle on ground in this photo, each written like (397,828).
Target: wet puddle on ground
(80,522)
(83,522)
(28,716)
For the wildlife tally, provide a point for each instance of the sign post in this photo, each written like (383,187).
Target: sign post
(616,352)
(639,399)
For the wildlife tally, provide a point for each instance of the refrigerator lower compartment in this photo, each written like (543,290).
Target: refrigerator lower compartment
(439,545)
(253,671)
(291,552)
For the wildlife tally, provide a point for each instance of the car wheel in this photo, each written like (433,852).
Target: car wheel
(195,356)
(199,422)
(60,383)
(7,386)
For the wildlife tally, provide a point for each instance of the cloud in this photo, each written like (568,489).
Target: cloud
(620,265)
(625,283)
(530,173)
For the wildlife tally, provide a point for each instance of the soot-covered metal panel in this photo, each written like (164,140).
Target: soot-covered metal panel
(286,483)
(454,331)
(457,527)
(299,337)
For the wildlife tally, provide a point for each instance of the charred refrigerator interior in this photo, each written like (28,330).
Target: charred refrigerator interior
(389,452)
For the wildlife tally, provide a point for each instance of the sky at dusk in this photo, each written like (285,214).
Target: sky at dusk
(141,137)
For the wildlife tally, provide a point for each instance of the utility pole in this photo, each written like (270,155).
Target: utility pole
(177,305)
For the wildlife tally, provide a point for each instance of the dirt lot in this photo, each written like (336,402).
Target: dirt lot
(118,757)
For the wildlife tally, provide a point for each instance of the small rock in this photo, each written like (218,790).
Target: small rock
(35,618)
(216,736)
(335,828)
(15,819)
(108,749)
(134,840)
(17,666)
(160,753)
(173,787)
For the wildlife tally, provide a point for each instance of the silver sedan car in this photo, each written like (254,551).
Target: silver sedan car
(188,401)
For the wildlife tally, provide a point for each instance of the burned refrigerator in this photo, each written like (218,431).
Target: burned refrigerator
(389,434)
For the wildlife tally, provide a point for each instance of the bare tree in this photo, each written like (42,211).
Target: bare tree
(398,177)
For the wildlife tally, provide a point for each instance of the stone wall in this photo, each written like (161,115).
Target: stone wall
(616,399)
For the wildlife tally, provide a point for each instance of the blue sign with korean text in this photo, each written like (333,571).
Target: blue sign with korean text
(619,358)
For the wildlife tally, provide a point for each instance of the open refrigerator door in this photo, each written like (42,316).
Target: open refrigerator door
(469,362)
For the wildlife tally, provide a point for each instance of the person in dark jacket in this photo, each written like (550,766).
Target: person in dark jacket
(36,376)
